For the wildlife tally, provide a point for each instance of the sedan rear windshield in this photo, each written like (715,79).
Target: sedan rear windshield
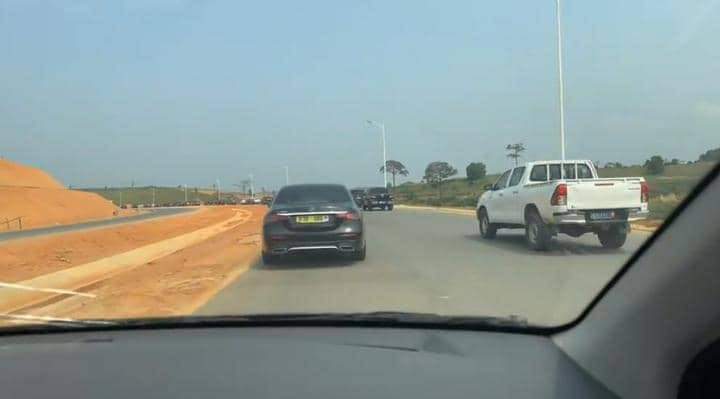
(312,194)
(378,190)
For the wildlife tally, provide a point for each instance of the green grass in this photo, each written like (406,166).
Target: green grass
(144,195)
(666,190)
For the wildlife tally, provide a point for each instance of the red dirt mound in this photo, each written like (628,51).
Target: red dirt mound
(13,174)
(41,200)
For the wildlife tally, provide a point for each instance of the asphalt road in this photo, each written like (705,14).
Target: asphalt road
(150,214)
(421,261)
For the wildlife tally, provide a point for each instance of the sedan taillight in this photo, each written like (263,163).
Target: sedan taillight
(275,217)
(351,215)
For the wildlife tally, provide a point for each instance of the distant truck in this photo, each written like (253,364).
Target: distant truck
(550,197)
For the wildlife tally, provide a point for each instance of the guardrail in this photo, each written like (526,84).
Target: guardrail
(18,219)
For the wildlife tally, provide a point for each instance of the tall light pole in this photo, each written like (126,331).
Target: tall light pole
(560,78)
(382,130)
(217,182)
(153,201)
(185,193)
(252,186)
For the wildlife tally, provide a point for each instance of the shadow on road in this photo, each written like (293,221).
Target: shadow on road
(308,261)
(559,247)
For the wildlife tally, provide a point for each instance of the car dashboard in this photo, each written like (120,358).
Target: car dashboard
(291,362)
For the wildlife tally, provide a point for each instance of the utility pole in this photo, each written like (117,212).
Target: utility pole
(560,78)
(382,130)
(252,186)
(153,201)
(287,175)
(217,182)
(185,185)
(121,203)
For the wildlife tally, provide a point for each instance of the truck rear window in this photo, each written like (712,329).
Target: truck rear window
(569,170)
(538,173)
(555,173)
(584,171)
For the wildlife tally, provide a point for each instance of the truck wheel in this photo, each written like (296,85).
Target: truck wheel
(537,233)
(487,230)
(613,238)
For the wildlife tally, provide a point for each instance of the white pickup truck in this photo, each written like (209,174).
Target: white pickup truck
(550,197)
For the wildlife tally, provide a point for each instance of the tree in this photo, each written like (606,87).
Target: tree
(436,172)
(514,151)
(655,165)
(673,161)
(475,171)
(710,156)
(613,165)
(394,168)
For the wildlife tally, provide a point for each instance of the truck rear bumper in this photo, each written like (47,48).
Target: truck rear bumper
(581,217)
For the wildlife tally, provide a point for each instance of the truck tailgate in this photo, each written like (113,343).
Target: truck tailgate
(603,193)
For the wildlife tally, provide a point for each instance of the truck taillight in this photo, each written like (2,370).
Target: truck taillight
(644,192)
(559,196)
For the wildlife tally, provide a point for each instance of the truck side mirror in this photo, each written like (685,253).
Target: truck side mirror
(489,187)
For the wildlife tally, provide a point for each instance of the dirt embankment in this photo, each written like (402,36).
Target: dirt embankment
(175,284)
(39,200)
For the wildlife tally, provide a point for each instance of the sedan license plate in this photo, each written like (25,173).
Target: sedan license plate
(602,215)
(310,219)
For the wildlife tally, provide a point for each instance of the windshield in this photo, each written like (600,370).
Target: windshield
(182,158)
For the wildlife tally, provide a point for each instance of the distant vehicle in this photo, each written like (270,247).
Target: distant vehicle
(256,201)
(313,218)
(358,195)
(267,200)
(378,198)
(550,197)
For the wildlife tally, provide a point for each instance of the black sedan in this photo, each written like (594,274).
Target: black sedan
(313,218)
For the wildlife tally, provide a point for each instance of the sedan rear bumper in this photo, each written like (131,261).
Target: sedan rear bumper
(294,247)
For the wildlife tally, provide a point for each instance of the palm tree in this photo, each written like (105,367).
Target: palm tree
(394,168)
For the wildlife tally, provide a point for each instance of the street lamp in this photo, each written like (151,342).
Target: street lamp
(382,130)
(560,79)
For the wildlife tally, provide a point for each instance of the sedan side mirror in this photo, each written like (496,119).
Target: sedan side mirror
(489,187)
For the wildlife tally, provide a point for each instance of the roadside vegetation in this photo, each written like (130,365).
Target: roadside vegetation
(670,181)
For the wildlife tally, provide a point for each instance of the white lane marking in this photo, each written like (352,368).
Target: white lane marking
(444,297)
(52,290)
(51,319)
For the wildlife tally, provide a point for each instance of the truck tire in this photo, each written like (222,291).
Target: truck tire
(613,238)
(537,233)
(488,230)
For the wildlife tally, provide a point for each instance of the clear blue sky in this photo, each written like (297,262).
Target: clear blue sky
(172,92)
